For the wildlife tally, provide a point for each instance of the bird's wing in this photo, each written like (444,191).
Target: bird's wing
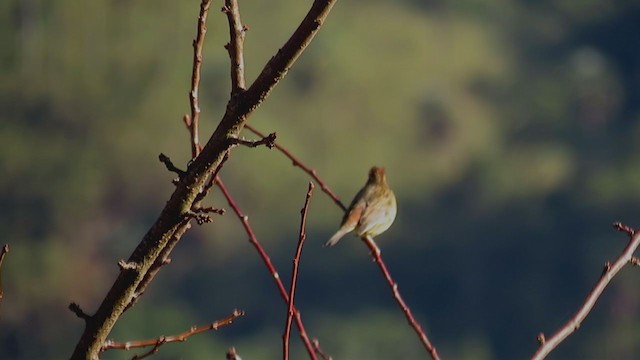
(375,214)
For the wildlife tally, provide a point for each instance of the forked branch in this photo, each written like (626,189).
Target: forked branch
(610,270)
(294,273)
(183,336)
(170,224)
(244,219)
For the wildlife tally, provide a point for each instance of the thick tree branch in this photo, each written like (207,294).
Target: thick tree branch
(610,270)
(244,219)
(283,60)
(294,273)
(170,220)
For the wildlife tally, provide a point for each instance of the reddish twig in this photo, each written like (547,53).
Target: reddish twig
(375,254)
(156,343)
(610,270)
(296,162)
(198,43)
(3,253)
(294,273)
(239,108)
(375,251)
(244,219)
(318,349)
(235,45)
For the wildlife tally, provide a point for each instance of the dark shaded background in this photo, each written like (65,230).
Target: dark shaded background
(508,129)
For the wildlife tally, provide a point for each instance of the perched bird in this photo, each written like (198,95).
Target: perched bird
(371,212)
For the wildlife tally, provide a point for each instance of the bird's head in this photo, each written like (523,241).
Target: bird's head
(377,175)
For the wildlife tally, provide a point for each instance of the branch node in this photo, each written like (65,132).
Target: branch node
(541,339)
(624,228)
(169,164)
(124,265)
(607,267)
(634,261)
(199,217)
(76,309)
(268,141)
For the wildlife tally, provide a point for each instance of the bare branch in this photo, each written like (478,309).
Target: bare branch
(235,46)
(610,270)
(624,228)
(268,141)
(294,273)
(296,162)
(76,309)
(318,349)
(198,43)
(171,219)
(244,219)
(3,253)
(161,260)
(375,254)
(278,66)
(157,342)
(169,164)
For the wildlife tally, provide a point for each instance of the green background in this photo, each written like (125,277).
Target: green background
(508,129)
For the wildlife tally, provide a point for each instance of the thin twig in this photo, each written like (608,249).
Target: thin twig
(610,270)
(375,251)
(244,219)
(268,141)
(3,253)
(294,273)
(235,45)
(318,349)
(375,254)
(198,43)
(169,164)
(76,309)
(183,336)
(296,162)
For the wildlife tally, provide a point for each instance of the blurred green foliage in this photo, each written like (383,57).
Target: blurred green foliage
(508,128)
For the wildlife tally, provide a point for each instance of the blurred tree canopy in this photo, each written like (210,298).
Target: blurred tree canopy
(508,129)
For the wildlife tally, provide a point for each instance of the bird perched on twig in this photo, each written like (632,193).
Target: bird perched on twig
(372,210)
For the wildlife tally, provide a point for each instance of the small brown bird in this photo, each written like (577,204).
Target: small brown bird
(371,212)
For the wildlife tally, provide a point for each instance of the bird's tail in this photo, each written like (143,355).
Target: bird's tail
(336,237)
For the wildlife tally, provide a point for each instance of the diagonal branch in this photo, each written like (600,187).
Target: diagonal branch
(283,60)
(375,254)
(375,251)
(610,270)
(244,219)
(169,222)
(235,46)
(294,273)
